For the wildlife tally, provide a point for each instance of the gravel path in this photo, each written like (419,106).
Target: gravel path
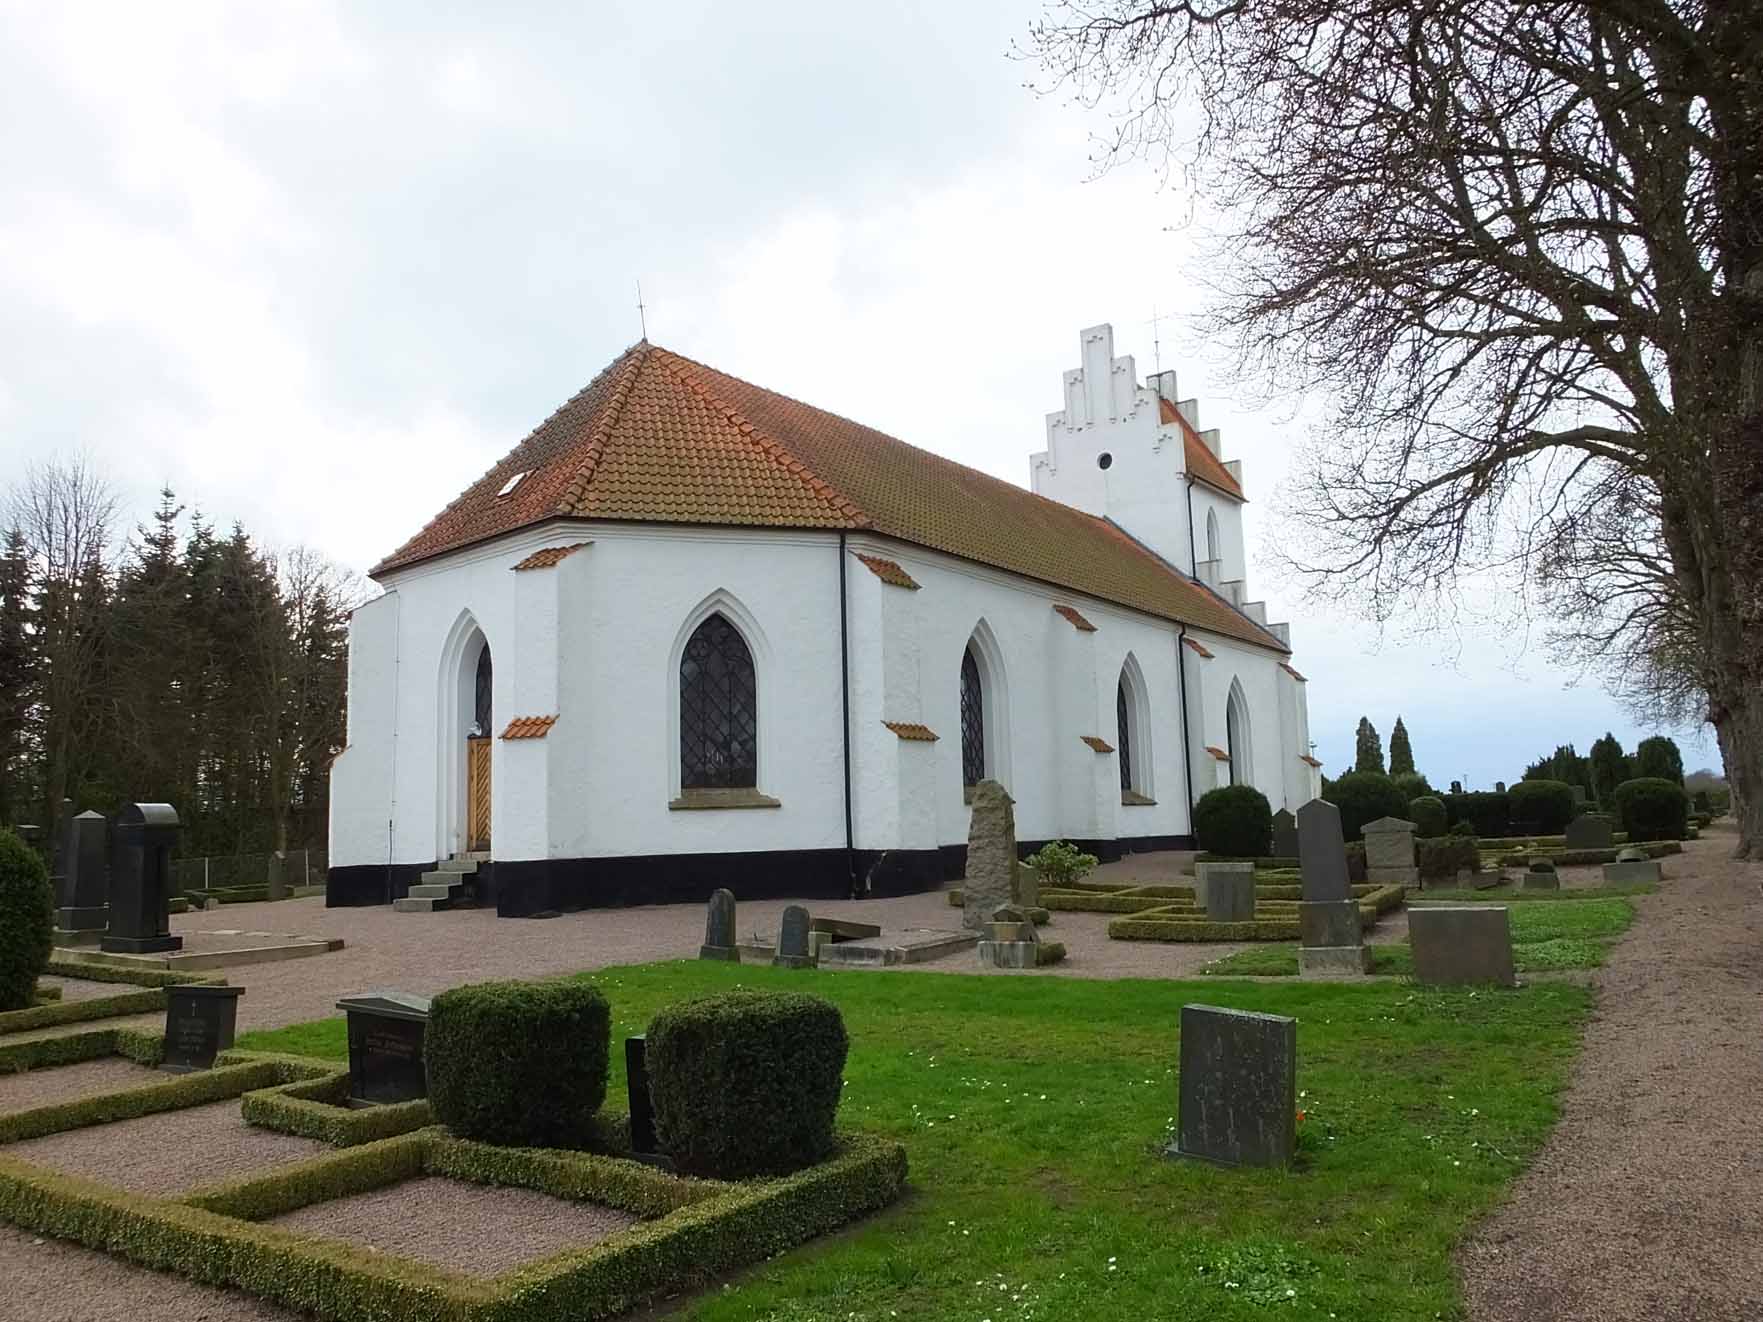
(470,1228)
(168,1153)
(1647,1201)
(63,1083)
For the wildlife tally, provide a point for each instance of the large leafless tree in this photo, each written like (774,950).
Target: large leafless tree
(1519,245)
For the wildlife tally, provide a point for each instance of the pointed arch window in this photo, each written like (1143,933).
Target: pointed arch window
(718,709)
(973,721)
(1236,732)
(1212,534)
(1123,735)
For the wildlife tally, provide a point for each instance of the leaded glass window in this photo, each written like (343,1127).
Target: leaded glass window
(973,722)
(718,710)
(1123,735)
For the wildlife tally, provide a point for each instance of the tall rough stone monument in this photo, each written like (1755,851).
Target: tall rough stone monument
(719,928)
(1389,853)
(81,889)
(992,869)
(1330,939)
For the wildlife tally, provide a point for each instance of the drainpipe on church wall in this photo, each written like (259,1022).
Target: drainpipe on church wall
(1181,685)
(845,714)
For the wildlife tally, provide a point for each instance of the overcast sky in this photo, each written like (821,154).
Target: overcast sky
(319,266)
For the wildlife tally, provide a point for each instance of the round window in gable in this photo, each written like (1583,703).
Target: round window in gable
(1104,460)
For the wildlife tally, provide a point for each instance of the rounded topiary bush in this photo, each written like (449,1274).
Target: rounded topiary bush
(1234,820)
(1652,809)
(1541,807)
(27,911)
(1412,784)
(1365,796)
(746,1083)
(519,1063)
(1428,815)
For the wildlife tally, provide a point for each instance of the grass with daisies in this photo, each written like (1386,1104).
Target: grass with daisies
(1035,1110)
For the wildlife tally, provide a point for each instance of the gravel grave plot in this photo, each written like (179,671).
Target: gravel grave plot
(169,1153)
(477,1229)
(63,1083)
(1647,1200)
(85,989)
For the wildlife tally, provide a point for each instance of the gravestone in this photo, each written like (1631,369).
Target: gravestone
(992,869)
(1238,1087)
(719,928)
(792,940)
(1578,795)
(642,1107)
(1226,891)
(1389,853)
(81,912)
(276,877)
(141,841)
(199,1024)
(1540,876)
(1285,834)
(1589,832)
(1330,938)
(1461,943)
(1010,940)
(1628,870)
(386,1031)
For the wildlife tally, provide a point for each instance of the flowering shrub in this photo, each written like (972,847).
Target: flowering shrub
(1060,864)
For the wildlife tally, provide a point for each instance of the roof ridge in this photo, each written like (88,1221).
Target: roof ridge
(688,375)
(637,354)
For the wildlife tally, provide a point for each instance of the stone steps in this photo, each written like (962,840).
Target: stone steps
(421,904)
(459,867)
(434,890)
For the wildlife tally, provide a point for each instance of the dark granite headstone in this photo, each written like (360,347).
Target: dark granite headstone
(642,1106)
(792,940)
(1285,834)
(141,841)
(385,1046)
(719,928)
(1239,1084)
(1588,832)
(199,1024)
(1457,944)
(80,895)
(1322,852)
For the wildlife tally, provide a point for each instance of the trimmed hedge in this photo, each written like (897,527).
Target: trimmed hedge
(1652,808)
(1440,857)
(746,1083)
(94,972)
(1541,807)
(1487,811)
(289,1187)
(521,1063)
(318,1108)
(1234,819)
(1365,796)
(1427,812)
(27,921)
(78,1012)
(71,1048)
(174,1094)
(1567,858)
(1262,862)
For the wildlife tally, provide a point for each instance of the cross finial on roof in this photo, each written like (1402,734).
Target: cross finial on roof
(642,312)
(1155,323)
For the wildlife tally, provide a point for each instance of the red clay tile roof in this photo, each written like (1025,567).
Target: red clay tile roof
(1076,618)
(912,731)
(549,556)
(1202,463)
(1218,753)
(659,438)
(888,571)
(529,727)
(1294,674)
(1306,758)
(1198,647)
(1099,744)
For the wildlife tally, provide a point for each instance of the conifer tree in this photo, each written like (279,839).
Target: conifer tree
(1401,753)
(1368,751)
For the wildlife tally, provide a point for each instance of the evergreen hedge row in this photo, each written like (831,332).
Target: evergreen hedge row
(44,1052)
(318,1108)
(174,1094)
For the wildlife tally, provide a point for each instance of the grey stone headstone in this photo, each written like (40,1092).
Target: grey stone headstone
(1322,852)
(1239,1087)
(1456,944)
(719,928)
(792,940)
(1588,832)
(82,890)
(1228,890)
(1632,854)
(141,842)
(1541,876)
(276,877)
(1285,834)
(1330,923)
(1617,874)
(991,878)
(1389,843)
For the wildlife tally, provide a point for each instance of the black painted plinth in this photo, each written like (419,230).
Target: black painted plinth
(140,945)
(1239,1087)
(199,1025)
(386,1031)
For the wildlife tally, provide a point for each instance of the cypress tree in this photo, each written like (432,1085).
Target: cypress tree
(1368,750)
(1401,752)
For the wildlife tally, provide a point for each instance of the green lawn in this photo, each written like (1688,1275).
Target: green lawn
(1545,938)
(1034,1111)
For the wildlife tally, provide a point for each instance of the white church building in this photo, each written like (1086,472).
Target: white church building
(691,633)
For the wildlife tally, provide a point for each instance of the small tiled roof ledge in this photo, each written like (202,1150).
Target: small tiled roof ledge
(1074,617)
(548,557)
(529,727)
(912,731)
(1097,743)
(1309,761)
(1199,647)
(1218,753)
(888,571)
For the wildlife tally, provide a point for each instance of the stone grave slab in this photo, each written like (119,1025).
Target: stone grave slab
(386,1031)
(844,929)
(199,1025)
(1238,1087)
(1461,944)
(1540,876)
(1645,870)
(1226,891)
(910,946)
(82,909)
